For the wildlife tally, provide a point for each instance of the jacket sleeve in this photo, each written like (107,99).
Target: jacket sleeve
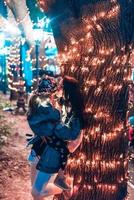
(68,131)
(42,129)
(45,113)
(51,114)
(43,122)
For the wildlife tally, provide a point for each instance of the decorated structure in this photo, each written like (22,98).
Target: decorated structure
(29,29)
(95,40)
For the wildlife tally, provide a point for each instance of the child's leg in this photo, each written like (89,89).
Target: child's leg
(33,172)
(33,160)
(42,186)
(40,182)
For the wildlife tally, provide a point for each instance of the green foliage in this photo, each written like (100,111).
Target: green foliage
(5,130)
(4,104)
(5,127)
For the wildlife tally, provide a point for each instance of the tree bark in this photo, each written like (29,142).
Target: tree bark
(95,43)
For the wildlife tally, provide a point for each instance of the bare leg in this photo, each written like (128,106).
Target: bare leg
(42,198)
(33,163)
(51,189)
(48,193)
(33,173)
(43,186)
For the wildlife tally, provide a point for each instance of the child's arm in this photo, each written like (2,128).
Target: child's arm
(68,131)
(73,145)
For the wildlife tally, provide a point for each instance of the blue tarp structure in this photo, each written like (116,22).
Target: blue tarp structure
(27,66)
(35,14)
(3,9)
(3,76)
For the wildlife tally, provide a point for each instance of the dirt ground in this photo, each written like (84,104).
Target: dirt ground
(14,168)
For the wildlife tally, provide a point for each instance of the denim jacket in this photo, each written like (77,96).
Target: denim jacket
(47,122)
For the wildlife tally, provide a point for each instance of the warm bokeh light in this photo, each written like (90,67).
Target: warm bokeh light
(95,54)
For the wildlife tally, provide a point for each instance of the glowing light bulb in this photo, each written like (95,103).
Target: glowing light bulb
(102,14)
(89,187)
(88,27)
(88,35)
(74,50)
(98,27)
(94,18)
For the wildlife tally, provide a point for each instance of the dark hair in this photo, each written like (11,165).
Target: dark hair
(46,87)
(73,95)
(32,104)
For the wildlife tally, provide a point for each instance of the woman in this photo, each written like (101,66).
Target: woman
(45,121)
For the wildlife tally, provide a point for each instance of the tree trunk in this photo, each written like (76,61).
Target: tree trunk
(22,18)
(95,47)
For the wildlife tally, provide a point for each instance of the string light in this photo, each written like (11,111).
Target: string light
(96,57)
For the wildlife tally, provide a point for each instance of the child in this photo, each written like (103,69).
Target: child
(45,121)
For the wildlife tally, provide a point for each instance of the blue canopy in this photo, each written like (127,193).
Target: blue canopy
(131,120)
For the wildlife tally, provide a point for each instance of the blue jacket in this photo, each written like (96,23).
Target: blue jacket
(47,122)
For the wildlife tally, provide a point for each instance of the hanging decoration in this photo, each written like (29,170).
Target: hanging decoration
(46,5)
(22,18)
(13,65)
(35,12)
(22,24)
